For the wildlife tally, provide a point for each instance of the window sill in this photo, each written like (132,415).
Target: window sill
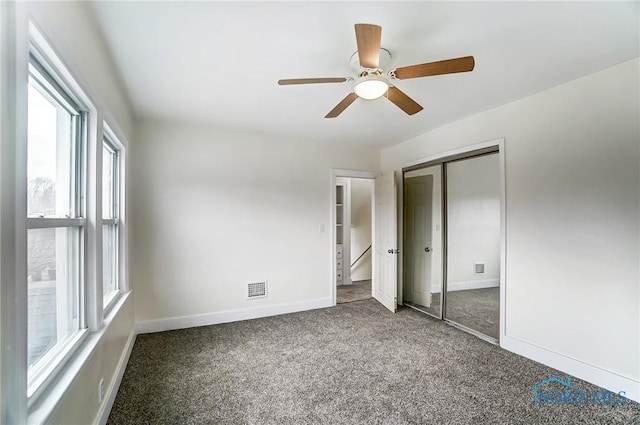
(49,397)
(110,301)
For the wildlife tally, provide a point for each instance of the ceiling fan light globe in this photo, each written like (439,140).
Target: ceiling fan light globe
(371,87)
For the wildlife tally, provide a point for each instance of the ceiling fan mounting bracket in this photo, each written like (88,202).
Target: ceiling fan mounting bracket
(366,72)
(385,61)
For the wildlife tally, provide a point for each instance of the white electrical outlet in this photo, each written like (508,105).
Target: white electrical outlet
(101,390)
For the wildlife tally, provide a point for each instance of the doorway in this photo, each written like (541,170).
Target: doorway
(354,239)
(384,241)
(452,233)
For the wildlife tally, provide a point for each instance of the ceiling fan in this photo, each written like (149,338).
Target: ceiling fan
(372,82)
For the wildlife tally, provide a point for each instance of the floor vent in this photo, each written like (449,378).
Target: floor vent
(478,268)
(256,290)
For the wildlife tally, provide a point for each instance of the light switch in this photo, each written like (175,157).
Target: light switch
(322,228)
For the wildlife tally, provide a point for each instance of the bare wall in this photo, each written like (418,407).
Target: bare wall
(215,209)
(572,208)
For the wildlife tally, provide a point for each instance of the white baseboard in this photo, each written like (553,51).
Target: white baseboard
(229,316)
(112,391)
(464,286)
(586,372)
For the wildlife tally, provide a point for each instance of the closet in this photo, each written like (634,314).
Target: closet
(451,240)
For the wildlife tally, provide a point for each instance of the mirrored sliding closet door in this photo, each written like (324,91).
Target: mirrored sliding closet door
(472,297)
(451,241)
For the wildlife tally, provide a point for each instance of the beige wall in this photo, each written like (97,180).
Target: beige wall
(215,209)
(361,190)
(572,208)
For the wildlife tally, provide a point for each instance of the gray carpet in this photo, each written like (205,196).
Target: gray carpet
(357,291)
(355,363)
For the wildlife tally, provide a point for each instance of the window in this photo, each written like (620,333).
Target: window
(55,224)
(110,213)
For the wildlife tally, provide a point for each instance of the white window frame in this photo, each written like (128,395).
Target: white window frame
(111,142)
(50,80)
(22,35)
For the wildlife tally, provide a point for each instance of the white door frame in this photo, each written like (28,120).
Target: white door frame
(355,174)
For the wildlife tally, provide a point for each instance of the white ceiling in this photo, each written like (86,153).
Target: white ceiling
(219,62)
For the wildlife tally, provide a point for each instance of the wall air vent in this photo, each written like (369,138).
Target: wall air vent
(478,268)
(256,289)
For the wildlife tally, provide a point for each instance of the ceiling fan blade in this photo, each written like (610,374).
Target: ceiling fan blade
(351,97)
(402,101)
(312,81)
(450,66)
(368,38)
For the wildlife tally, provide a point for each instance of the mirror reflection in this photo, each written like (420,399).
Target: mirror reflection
(422,239)
(470,224)
(473,244)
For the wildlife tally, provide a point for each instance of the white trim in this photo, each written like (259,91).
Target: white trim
(464,286)
(116,137)
(584,371)
(50,223)
(69,90)
(503,238)
(112,391)
(207,319)
(400,238)
(52,363)
(14,44)
(462,150)
(355,174)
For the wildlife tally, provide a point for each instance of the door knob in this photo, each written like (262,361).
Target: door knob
(427,249)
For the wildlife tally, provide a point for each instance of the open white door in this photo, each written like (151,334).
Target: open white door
(385,287)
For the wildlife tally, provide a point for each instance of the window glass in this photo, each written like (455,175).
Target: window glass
(49,155)
(52,289)
(108,184)
(110,228)
(110,260)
